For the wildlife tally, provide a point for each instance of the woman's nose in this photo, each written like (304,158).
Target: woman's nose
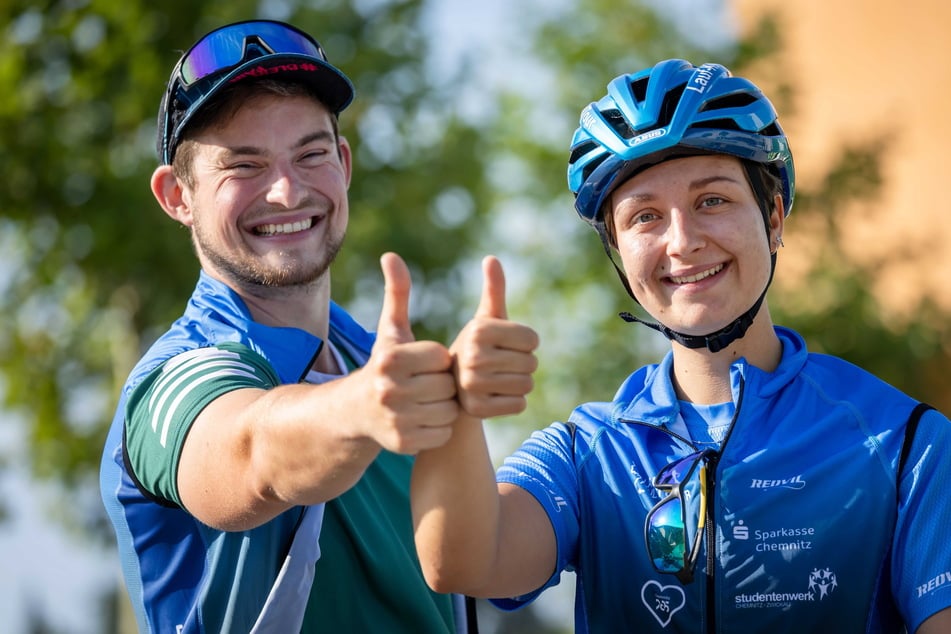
(683,234)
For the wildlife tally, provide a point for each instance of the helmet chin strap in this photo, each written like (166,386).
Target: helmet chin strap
(714,341)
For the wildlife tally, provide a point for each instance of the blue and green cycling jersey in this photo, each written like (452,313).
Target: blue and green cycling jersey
(348,565)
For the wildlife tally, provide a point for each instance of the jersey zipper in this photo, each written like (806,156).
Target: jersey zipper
(710,529)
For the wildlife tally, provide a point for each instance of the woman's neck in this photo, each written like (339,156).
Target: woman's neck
(701,376)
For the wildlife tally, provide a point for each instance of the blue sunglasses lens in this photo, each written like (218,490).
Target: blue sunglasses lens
(226,47)
(666,542)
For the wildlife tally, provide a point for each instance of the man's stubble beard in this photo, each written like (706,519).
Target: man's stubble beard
(249,274)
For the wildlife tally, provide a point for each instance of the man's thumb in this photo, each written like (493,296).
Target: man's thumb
(394,326)
(492,303)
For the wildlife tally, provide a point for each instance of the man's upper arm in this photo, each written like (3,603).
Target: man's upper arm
(162,408)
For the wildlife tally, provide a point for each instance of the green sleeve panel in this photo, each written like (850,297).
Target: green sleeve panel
(162,408)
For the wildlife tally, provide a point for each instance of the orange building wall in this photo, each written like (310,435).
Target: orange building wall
(862,69)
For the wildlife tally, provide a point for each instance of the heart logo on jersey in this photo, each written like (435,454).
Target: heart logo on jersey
(663,601)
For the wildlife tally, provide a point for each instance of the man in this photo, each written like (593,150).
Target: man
(257,468)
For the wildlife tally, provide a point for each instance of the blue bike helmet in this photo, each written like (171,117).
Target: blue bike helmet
(674,108)
(670,110)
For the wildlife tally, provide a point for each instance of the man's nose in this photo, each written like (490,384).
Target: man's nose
(286,188)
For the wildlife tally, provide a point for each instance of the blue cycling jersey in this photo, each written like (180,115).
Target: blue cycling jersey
(806,531)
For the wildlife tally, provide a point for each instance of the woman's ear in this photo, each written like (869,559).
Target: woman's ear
(170,194)
(777,220)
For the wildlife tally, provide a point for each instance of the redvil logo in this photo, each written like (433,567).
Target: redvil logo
(795,483)
(943,579)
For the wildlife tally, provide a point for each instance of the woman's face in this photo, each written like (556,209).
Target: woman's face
(692,241)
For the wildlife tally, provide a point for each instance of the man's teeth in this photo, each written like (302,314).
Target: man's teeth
(699,276)
(287,227)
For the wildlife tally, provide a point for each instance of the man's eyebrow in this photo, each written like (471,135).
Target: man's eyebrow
(241,150)
(320,135)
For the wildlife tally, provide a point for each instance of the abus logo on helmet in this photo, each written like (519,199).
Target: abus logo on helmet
(701,78)
(647,136)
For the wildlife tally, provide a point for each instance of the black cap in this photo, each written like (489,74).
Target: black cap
(268,50)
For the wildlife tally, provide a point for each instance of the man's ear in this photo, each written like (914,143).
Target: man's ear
(346,157)
(171,196)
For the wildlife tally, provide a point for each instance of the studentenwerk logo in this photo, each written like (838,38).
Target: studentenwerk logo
(822,581)
(821,584)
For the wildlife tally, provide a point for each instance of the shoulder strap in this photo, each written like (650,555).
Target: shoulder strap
(472,617)
(910,427)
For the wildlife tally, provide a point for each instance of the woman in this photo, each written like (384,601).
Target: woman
(742,484)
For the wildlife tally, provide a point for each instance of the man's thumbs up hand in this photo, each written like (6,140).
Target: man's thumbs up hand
(394,325)
(494,357)
(407,385)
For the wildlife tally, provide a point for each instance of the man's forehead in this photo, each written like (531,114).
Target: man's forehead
(258,125)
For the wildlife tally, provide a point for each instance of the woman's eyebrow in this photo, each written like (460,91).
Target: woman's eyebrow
(707,180)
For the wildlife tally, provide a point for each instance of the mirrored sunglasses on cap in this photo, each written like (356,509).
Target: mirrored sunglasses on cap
(226,47)
(213,60)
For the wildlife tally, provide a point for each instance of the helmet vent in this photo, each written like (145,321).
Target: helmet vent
(639,89)
(614,118)
(737,100)
(580,150)
(717,124)
(669,107)
(593,165)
